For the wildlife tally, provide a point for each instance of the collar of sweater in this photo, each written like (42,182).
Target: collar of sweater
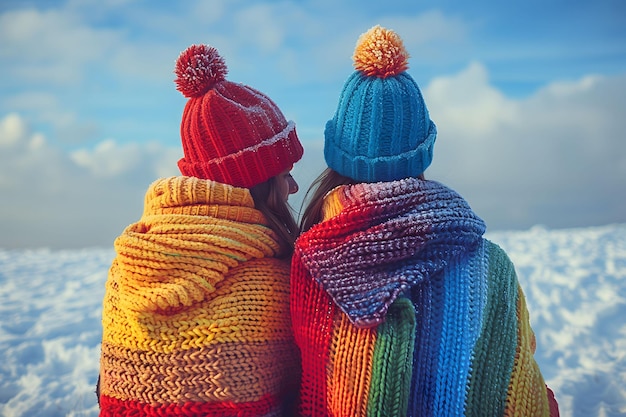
(192,232)
(379,239)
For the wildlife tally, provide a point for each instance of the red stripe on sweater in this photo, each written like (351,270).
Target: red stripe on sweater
(112,407)
(312,315)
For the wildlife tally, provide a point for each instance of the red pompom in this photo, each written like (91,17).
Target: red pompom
(198,69)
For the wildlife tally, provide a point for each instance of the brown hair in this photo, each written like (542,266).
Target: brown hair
(269,201)
(324,183)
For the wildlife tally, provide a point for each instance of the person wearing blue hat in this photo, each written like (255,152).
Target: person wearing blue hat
(399,305)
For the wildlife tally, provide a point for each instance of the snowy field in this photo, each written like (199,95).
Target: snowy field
(575,283)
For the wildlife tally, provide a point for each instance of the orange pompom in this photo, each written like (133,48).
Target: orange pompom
(380,52)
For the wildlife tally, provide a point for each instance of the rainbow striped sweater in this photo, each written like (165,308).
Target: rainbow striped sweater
(401,308)
(196,311)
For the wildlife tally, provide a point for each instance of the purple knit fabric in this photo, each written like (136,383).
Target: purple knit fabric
(388,237)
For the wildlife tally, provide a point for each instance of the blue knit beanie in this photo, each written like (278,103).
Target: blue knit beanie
(381,130)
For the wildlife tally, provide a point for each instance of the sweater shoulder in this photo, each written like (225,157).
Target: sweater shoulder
(496,253)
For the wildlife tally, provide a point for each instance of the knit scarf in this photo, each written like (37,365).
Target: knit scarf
(198,230)
(401,308)
(386,238)
(195,316)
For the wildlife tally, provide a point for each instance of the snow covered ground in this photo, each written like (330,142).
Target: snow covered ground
(574,280)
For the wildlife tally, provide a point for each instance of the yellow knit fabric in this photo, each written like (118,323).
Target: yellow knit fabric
(349,379)
(526,376)
(196,306)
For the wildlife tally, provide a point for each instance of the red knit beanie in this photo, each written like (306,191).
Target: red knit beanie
(231,133)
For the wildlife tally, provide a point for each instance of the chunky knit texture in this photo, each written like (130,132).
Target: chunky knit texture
(401,308)
(381,129)
(231,133)
(195,316)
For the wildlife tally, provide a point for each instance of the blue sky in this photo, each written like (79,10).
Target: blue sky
(529,99)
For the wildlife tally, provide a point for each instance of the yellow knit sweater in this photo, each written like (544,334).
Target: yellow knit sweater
(196,314)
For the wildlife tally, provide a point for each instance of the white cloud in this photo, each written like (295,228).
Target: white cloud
(12,130)
(59,199)
(108,159)
(81,70)
(46,108)
(50,46)
(572,88)
(468,105)
(556,157)
(524,162)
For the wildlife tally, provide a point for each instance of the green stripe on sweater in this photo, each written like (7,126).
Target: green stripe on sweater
(494,353)
(393,362)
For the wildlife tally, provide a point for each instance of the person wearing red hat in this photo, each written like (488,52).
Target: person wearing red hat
(196,311)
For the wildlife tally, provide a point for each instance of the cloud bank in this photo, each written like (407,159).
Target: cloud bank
(545,159)
(556,158)
(89,115)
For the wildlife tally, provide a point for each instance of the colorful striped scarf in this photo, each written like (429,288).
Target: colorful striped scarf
(195,315)
(401,308)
